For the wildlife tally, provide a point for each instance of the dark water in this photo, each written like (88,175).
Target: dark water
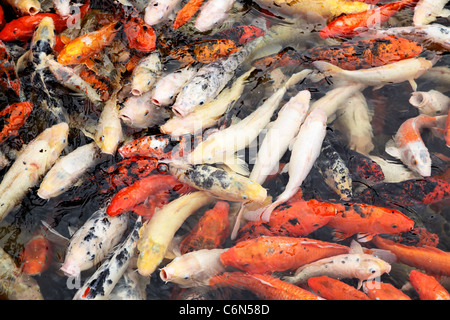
(70,210)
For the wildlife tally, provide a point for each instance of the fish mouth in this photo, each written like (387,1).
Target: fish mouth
(33,10)
(136,92)
(165,275)
(179,111)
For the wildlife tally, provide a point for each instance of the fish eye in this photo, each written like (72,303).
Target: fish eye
(171,96)
(245,197)
(101,138)
(202,102)
(372,270)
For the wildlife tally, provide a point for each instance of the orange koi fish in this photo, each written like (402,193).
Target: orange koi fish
(127,198)
(99,83)
(350,25)
(268,254)
(431,260)
(367,221)
(140,35)
(293,219)
(264,286)
(86,46)
(8,75)
(377,290)
(210,232)
(427,286)
(35,258)
(418,236)
(333,289)
(447,131)
(187,12)
(12,118)
(350,55)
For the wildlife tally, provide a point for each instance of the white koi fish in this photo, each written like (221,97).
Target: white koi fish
(212,14)
(62,7)
(431,103)
(158,11)
(32,163)
(28,7)
(426,11)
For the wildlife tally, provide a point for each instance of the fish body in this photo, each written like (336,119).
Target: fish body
(345,25)
(364,168)
(13,117)
(9,79)
(129,197)
(240,34)
(102,282)
(264,286)
(213,14)
(130,287)
(35,257)
(157,146)
(355,264)
(368,220)
(377,290)
(223,184)
(31,164)
(67,170)
(157,233)
(26,7)
(41,47)
(194,268)
(305,150)
(334,289)
(109,131)
(146,73)
(187,12)
(158,11)
(86,46)
(209,80)
(280,134)
(293,219)
(93,241)
(431,260)
(408,145)
(426,11)
(211,230)
(168,86)
(427,286)
(396,72)
(278,253)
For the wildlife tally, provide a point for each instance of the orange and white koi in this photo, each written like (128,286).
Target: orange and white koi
(278,253)
(430,259)
(408,146)
(427,286)
(158,11)
(152,146)
(355,264)
(194,268)
(213,14)
(31,164)
(26,7)
(377,290)
(426,11)
(264,286)
(351,24)
(334,289)
(187,12)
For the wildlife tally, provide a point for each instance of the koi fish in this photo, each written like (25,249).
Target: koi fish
(31,164)
(431,103)
(194,268)
(396,72)
(408,145)
(99,83)
(35,257)
(127,198)
(13,118)
(417,236)
(109,131)
(293,219)
(157,146)
(350,55)
(427,286)
(86,46)
(278,253)
(211,230)
(2,17)
(213,14)
(146,74)
(158,11)
(364,168)
(407,193)
(377,290)
(305,150)
(27,7)
(431,260)
(9,79)
(66,170)
(355,264)
(426,11)
(264,286)
(352,24)
(100,285)
(334,289)
(367,221)
(222,183)
(157,233)
(187,12)
(240,34)
(62,7)
(140,35)
(131,286)
(93,241)
(15,284)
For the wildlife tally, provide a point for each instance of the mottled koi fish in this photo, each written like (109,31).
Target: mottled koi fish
(239,34)
(13,117)
(417,236)
(140,35)
(8,76)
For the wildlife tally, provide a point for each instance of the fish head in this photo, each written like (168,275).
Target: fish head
(416,157)
(57,136)
(108,139)
(371,267)
(254,192)
(44,33)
